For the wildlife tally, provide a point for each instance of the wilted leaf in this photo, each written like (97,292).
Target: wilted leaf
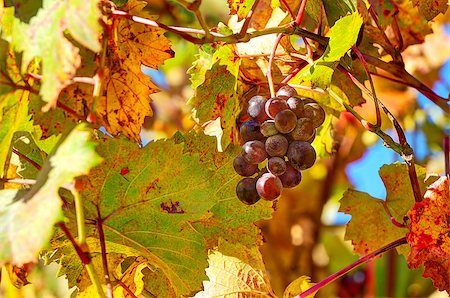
(163,208)
(429,235)
(126,102)
(27,217)
(298,286)
(431,8)
(370,220)
(230,277)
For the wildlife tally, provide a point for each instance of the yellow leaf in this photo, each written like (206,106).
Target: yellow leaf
(298,286)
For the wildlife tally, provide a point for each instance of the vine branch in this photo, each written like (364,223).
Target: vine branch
(350,267)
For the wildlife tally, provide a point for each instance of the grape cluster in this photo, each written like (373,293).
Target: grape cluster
(280,131)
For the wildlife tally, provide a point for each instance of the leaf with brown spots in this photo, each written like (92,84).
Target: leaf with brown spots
(218,97)
(240,7)
(126,98)
(174,204)
(431,8)
(429,235)
(370,227)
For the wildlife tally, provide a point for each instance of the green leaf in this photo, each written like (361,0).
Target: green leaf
(174,202)
(229,276)
(213,100)
(44,37)
(27,217)
(370,220)
(13,102)
(343,36)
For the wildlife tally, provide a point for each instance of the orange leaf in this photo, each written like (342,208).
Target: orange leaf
(429,235)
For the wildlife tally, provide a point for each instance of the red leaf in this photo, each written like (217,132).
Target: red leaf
(429,235)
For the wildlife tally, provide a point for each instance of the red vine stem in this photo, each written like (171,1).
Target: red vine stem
(374,95)
(392,219)
(247,20)
(18,181)
(32,162)
(288,8)
(350,267)
(269,67)
(101,236)
(300,13)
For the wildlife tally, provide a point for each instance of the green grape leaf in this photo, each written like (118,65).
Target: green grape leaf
(240,7)
(212,100)
(44,37)
(431,8)
(369,212)
(27,217)
(13,102)
(229,276)
(175,200)
(323,142)
(343,36)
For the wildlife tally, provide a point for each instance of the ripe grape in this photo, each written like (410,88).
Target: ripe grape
(277,145)
(286,91)
(303,130)
(274,106)
(269,187)
(313,136)
(268,128)
(250,130)
(243,168)
(254,152)
(246,191)
(285,121)
(276,165)
(291,176)
(256,108)
(301,155)
(314,112)
(296,104)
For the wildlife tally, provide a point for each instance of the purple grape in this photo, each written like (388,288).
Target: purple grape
(243,168)
(246,191)
(256,108)
(276,145)
(269,187)
(285,121)
(291,176)
(274,106)
(303,130)
(254,152)
(250,130)
(314,112)
(276,165)
(296,104)
(313,136)
(301,155)
(268,128)
(286,91)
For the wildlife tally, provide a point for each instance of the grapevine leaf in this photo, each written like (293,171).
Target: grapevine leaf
(163,208)
(299,285)
(323,142)
(13,101)
(343,36)
(429,235)
(368,212)
(44,37)
(213,100)
(431,8)
(240,8)
(126,100)
(230,276)
(27,218)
